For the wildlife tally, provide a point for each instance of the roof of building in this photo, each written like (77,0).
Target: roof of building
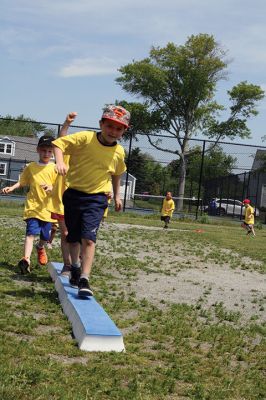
(259,160)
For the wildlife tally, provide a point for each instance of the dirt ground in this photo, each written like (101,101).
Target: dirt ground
(181,274)
(199,282)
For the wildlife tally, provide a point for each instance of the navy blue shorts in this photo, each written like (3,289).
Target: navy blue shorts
(37,227)
(165,218)
(83,214)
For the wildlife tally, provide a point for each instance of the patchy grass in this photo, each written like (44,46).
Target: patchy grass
(174,350)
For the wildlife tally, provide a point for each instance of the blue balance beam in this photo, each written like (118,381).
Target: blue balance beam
(92,327)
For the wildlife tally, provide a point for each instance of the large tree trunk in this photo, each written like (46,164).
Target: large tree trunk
(181,183)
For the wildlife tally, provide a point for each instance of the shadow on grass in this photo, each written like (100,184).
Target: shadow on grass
(33,276)
(30,280)
(30,292)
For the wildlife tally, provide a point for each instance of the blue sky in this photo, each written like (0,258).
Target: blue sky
(60,56)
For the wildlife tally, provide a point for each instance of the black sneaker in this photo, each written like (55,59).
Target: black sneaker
(84,288)
(74,276)
(24,266)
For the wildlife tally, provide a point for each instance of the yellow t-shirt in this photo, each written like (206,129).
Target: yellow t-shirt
(249,215)
(91,164)
(34,175)
(168,208)
(55,202)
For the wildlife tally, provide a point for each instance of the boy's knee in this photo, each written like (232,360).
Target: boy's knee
(74,244)
(88,242)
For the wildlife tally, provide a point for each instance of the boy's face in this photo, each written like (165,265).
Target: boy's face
(45,153)
(168,195)
(111,131)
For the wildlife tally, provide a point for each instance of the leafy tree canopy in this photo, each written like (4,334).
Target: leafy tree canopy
(23,126)
(177,86)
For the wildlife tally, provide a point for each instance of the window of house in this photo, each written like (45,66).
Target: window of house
(7,148)
(2,168)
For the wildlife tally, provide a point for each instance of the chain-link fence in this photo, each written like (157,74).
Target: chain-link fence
(227,172)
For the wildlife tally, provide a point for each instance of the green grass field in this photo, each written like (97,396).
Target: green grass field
(199,349)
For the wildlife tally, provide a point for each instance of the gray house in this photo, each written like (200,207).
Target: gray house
(15,153)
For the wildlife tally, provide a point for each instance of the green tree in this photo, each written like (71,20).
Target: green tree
(146,170)
(216,164)
(23,126)
(177,85)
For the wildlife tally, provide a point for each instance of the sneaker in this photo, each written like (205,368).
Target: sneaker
(84,288)
(74,276)
(24,266)
(42,256)
(66,270)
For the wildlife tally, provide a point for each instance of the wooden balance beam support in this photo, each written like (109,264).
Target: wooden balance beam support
(92,327)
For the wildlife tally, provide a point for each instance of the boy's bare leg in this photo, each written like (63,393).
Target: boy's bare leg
(42,243)
(64,244)
(74,249)
(28,246)
(88,251)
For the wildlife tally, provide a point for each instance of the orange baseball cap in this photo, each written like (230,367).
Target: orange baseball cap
(117,113)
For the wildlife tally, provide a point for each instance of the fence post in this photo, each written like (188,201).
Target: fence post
(200,178)
(58,129)
(243,193)
(128,164)
(257,190)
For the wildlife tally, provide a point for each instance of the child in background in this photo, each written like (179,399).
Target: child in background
(56,206)
(96,164)
(54,229)
(248,223)
(109,198)
(167,209)
(40,177)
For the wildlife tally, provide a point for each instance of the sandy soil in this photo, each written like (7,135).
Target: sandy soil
(200,283)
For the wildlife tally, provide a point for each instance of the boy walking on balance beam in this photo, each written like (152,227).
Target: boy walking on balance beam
(95,166)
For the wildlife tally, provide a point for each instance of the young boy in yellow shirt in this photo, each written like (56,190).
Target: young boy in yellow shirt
(249,221)
(96,164)
(167,209)
(40,177)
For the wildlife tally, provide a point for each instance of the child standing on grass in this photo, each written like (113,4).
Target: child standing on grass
(40,177)
(109,199)
(248,223)
(56,206)
(167,209)
(96,164)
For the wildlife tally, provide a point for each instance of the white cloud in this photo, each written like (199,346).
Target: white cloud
(89,67)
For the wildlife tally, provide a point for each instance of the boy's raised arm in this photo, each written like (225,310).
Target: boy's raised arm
(68,121)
